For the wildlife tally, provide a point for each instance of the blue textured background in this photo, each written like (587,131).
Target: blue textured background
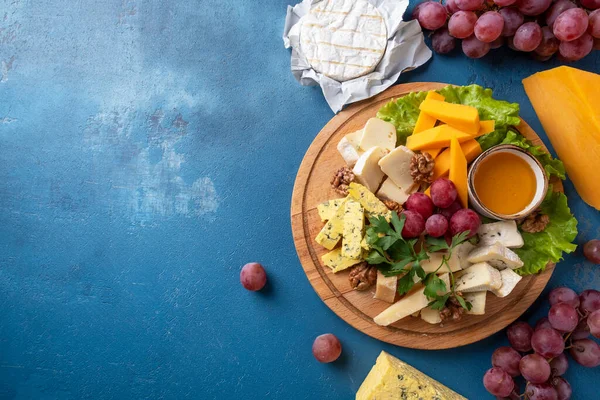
(148,149)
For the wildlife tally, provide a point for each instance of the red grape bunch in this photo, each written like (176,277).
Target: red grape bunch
(570,29)
(538,354)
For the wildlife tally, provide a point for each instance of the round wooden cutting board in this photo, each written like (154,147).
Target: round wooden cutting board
(312,187)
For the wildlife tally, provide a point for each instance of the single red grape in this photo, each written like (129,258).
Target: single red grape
(326,348)
(253,276)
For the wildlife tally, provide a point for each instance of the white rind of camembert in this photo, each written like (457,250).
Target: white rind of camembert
(343,39)
(478,277)
(510,279)
(497,255)
(504,232)
(349,147)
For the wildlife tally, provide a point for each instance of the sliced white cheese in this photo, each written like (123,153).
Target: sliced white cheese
(385,289)
(477,300)
(378,133)
(409,304)
(478,277)
(390,191)
(343,39)
(431,316)
(504,232)
(497,255)
(367,170)
(435,260)
(349,149)
(328,208)
(354,220)
(510,279)
(461,252)
(396,165)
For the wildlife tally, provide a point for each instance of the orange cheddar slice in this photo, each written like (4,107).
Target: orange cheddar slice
(436,138)
(458,172)
(459,116)
(486,127)
(433,152)
(425,121)
(428,191)
(471,149)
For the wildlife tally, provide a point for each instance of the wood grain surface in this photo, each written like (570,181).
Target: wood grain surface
(358,308)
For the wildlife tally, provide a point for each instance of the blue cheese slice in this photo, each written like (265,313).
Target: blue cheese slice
(409,304)
(378,133)
(478,277)
(372,205)
(367,170)
(328,208)
(343,39)
(393,379)
(504,232)
(331,233)
(354,221)
(477,300)
(337,262)
(349,147)
(510,279)
(497,255)
(396,165)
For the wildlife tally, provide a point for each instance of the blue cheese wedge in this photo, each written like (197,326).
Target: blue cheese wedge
(354,221)
(349,147)
(396,165)
(378,133)
(343,39)
(497,255)
(337,262)
(372,205)
(328,208)
(390,191)
(504,232)
(367,170)
(478,277)
(510,279)
(393,379)
(477,300)
(331,233)
(385,288)
(431,316)
(409,304)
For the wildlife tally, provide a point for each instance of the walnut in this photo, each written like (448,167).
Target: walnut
(535,222)
(342,179)
(393,206)
(453,310)
(362,276)
(421,168)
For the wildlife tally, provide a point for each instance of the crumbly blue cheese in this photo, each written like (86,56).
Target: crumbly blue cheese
(354,221)
(393,379)
(331,233)
(372,205)
(337,262)
(328,208)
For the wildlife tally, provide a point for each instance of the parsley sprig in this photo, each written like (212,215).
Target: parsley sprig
(394,255)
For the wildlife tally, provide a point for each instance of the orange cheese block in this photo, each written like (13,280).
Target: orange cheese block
(458,172)
(425,121)
(428,191)
(471,149)
(486,127)
(433,152)
(436,138)
(459,116)
(566,102)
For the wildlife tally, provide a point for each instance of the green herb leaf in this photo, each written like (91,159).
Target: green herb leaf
(375,258)
(406,282)
(433,286)
(464,304)
(380,225)
(398,222)
(397,268)
(440,302)
(386,242)
(436,244)
(400,250)
(459,238)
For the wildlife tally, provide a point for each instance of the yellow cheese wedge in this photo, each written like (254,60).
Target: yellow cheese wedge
(566,102)
(337,262)
(458,172)
(436,138)
(471,149)
(425,121)
(459,116)
(486,127)
(393,379)
(331,233)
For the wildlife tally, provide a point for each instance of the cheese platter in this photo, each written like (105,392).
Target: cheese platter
(331,232)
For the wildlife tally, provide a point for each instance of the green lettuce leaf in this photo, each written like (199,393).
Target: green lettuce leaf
(549,245)
(553,166)
(403,112)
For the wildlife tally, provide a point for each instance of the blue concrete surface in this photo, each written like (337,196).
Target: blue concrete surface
(148,149)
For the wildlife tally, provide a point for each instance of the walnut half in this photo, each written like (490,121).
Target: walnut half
(535,222)
(362,276)
(342,179)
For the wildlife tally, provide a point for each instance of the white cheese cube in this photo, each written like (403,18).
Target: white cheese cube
(354,221)
(367,170)
(349,148)
(389,191)
(497,255)
(504,232)
(435,260)
(477,300)
(510,279)
(461,253)
(385,289)
(431,316)
(378,133)
(409,304)
(396,165)
(478,277)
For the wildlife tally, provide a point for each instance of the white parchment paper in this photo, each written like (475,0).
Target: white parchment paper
(405,50)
